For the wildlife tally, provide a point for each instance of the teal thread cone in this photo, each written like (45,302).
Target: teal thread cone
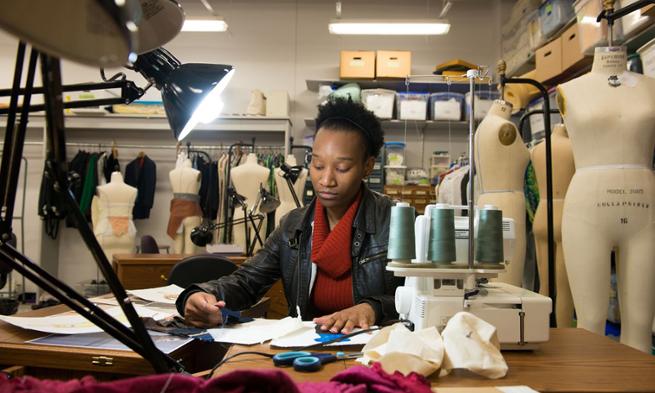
(489,244)
(401,232)
(441,246)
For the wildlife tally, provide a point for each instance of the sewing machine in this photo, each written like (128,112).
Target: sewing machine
(432,293)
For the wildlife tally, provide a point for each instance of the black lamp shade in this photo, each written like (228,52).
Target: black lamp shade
(94,32)
(191,95)
(190,92)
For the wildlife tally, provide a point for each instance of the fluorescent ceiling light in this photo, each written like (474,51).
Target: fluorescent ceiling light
(204,25)
(389,27)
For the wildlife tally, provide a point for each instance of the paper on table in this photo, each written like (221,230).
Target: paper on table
(164,342)
(73,323)
(307,336)
(255,332)
(166,295)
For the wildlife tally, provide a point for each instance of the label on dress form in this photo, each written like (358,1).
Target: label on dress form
(611,61)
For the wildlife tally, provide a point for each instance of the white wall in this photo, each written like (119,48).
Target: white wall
(274,45)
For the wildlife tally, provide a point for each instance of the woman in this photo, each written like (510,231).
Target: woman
(330,254)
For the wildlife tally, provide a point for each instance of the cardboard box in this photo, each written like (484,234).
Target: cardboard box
(572,54)
(549,60)
(277,103)
(393,64)
(357,65)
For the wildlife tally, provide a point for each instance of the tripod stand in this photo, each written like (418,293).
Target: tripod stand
(136,339)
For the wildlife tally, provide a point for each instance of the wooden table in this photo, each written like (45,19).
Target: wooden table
(574,360)
(138,271)
(62,363)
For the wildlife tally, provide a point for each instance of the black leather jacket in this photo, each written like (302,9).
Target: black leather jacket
(286,255)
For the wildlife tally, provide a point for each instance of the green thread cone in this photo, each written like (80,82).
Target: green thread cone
(489,243)
(401,232)
(441,246)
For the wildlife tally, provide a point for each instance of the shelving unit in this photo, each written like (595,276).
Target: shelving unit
(423,124)
(392,84)
(160,123)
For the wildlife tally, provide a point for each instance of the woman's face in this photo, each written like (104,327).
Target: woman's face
(339,164)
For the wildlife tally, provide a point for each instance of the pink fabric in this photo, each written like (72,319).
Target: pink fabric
(358,379)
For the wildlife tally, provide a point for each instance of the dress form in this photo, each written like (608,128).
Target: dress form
(246,179)
(500,162)
(111,216)
(563,170)
(609,203)
(286,199)
(185,181)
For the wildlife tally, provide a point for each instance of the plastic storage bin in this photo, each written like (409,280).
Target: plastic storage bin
(394,175)
(591,33)
(647,54)
(412,106)
(395,153)
(379,101)
(555,14)
(446,106)
(483,101)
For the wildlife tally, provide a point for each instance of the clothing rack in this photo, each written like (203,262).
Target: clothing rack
(162,147)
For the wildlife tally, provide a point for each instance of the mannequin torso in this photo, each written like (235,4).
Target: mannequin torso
(501,160)
(246,179)
(609,204)
(111,215)
(286,199)
(185,210)
(563,170)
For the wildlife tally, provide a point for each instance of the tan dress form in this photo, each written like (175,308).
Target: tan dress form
(563,170)
(185,180)
(610,202)
(286,199)
(500,162)
(111,216)
(246,179)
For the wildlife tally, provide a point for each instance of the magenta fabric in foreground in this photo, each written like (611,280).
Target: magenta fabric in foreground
(358,379)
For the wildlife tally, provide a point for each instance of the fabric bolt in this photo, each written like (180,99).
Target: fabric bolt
(142,174)
(181,209)
(331,252)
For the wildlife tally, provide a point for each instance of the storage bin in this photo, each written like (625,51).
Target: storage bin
(379,101)
(555,14)
(357,65)
(394,175)
(632,22)
(393,64)
(572,54)
(412,106)
(591,33)
(483,102)
(446,106)
(647,54)
(548,60)
(536,37)
(395,153)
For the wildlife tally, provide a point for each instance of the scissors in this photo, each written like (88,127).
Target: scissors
(309,361)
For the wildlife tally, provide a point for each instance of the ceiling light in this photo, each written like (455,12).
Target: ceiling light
(389,27)
(204,25)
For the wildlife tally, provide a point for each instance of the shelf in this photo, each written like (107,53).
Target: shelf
(399,124)
(640,39)
(420,85)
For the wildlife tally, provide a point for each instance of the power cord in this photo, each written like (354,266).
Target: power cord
(226,359)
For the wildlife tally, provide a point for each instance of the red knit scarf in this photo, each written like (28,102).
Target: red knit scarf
(331,253)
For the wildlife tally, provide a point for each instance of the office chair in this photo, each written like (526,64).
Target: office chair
(200,268)
(149,246)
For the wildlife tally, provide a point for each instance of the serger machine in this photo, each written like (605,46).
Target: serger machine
(431,252)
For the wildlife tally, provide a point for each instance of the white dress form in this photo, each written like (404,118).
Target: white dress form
(563,170)
(111,216)
(185,180)
(500,162)
(246,179)
(286,199)
(610,202)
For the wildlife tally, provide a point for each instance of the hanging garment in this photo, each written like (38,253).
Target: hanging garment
(110,165)
(51,207)
(182,206)
(208,192)
(89,187)
(142,174)
(531,191)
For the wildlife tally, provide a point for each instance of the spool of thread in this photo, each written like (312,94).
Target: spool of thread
(401,232)
(489,243)
(441,247)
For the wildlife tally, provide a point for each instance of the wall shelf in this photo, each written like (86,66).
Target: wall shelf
(423,85)
(400,124)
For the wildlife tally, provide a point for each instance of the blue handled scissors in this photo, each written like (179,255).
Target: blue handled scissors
(309,361)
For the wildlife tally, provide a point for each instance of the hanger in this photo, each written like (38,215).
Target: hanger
(114,149)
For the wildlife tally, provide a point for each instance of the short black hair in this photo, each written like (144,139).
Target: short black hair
(342,114)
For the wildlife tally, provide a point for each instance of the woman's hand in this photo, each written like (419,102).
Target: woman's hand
(344,321)
(203,310)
